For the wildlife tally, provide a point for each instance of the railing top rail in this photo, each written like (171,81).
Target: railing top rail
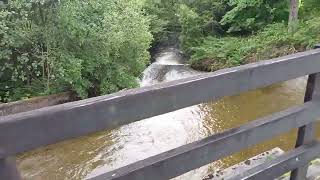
(25,131)
(197,154)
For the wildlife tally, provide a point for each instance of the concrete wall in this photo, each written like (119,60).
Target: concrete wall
(35,103)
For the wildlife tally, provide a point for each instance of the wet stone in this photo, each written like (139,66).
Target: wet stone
(247,162)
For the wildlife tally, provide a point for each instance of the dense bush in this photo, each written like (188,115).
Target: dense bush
(247,16)
(224,33)
(309,8)
(110,38)
(163,18)
(91,47)
(191,33)
(227,17)
(26,62)
(101,46)
(273,41)
(210,12)
(198,20)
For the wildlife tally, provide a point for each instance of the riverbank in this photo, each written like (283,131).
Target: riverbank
(273,41)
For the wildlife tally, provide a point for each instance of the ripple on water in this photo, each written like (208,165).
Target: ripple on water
(104,151)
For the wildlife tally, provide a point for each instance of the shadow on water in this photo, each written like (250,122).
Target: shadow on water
(104,151)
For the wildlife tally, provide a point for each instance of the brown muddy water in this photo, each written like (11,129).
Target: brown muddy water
(92,155)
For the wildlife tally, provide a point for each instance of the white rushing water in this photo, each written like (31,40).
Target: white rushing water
(161,133)
(169,65)
(104,151)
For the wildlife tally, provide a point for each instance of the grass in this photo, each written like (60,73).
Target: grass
(273,41)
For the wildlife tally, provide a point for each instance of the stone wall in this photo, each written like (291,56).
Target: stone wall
(35,103)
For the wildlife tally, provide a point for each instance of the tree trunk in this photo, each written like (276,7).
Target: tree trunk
(293,16)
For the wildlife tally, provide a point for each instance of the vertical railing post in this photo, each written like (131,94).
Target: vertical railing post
(8,169)
(306,133)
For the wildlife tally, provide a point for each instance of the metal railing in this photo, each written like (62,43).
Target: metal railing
(26,131)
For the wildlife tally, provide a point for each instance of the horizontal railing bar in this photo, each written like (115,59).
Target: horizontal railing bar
(194,155)
(276,167)
(25,131)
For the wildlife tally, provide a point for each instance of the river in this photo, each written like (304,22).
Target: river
(91,155)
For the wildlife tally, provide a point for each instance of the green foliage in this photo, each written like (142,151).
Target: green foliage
(219,18)
(91,47)
(199,19)
(26,31)
(273,41)
(191,23)
(111,39)
(101,46)
(254,30)
(250,15)
(309,8)
(163,18)
(210,12)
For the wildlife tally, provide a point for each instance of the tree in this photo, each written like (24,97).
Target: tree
(163,19)
(293,16)
(91,47)
(110,38)
(191,24)
(247,16)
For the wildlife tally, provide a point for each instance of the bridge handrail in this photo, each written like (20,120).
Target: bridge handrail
(26,131)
